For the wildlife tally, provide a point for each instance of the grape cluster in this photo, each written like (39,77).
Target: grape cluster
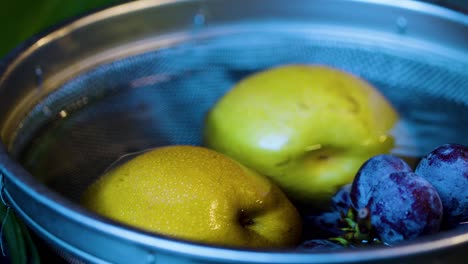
(388,203)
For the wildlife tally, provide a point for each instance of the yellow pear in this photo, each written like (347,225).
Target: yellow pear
(308,127)
(196,194)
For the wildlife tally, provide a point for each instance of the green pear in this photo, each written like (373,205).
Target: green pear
(307,127)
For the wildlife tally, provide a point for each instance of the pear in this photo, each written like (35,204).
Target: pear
(307,127)
(199,195)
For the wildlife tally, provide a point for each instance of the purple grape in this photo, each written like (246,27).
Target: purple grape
(404,206)
(330,222)
(446,168)
(341,200)
(370,174)
(319,244)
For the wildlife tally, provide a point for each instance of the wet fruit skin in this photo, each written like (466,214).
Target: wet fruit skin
(404,206)
(307,127)
(446,168)
(196,194)
(390,202)
(370,173)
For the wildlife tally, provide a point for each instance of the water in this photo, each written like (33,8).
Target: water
(161,98)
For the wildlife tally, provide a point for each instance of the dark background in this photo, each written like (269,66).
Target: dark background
(21,19)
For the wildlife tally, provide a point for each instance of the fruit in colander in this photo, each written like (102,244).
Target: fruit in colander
(307,127)
(404,206)
(386,203)
(196,194)
(446,168)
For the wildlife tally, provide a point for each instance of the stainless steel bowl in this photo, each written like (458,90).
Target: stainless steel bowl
(143,74)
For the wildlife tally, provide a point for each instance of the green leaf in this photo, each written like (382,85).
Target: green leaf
(21,19)
(13,242)
(33,254)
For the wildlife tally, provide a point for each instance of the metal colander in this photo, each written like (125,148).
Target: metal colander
(144,74)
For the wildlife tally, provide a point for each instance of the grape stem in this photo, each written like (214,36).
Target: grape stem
(357,228)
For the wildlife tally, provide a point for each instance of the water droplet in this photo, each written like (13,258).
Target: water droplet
(63,114)
(39,74)
(199,20)
(383,138)
(39,78)
(402,25)
(46,111)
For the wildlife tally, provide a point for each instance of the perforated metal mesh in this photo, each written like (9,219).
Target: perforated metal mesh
(161,97)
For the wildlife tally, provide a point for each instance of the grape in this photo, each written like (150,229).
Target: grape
(330,222)
(446,168)
(319,244)
(404,206)
(341,200)
(370,173)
